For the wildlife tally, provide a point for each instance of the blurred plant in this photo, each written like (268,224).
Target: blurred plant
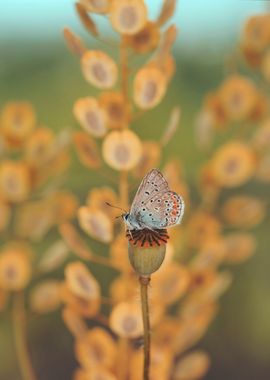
(185,290)
(102,312)
(32,161)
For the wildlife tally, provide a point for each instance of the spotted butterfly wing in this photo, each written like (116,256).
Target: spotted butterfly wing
(151,184)
(164,210)
(154,205)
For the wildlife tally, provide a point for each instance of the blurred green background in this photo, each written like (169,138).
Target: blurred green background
(36,66)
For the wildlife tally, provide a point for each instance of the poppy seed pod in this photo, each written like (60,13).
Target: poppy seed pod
(146,250)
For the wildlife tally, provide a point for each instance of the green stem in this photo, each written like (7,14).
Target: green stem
(144,282)
(19,328)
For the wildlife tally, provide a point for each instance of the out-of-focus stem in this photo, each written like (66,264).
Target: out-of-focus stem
(123,195)
(123,189)
(124,69)
(122,367)
(144,283)
(19,329)
(123,183)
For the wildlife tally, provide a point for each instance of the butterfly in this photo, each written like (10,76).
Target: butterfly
(154,206)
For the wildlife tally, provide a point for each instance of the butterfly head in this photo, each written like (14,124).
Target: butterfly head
(125,215)
(126,219)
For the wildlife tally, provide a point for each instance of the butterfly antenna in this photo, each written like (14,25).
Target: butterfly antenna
(119,208)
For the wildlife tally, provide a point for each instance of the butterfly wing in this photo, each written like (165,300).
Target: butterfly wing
(151,185)
(154,205)
(163,210)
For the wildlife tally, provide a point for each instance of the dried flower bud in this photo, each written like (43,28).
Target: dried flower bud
(96,224)
(150,86)
(146,249)
(83,307)
(172,126)
(75,241)
(99,69)
(18,120)
(243,211)
(54,256)
(91,116)
(15,181)
(45,297)
(126,320)
(122,150)
(86,20)
(117,110)
(96,6)
(193,365)
(87,150)
(96,348)
(145,40)
(167,42)
(239,247)
(15,268)
(81,282)
(170,284)
(39,147)
(233,164)
(74,43)
(74,322)
(33,220)
(128,16)
(166,11)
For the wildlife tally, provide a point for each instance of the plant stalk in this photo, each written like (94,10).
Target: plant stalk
(144,283)
(19,329)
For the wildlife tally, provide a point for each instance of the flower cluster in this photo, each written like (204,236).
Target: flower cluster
(32,202)
(215,231)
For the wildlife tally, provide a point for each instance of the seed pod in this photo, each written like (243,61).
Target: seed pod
(147,250)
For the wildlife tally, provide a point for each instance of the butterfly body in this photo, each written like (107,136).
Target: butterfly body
(155,206)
